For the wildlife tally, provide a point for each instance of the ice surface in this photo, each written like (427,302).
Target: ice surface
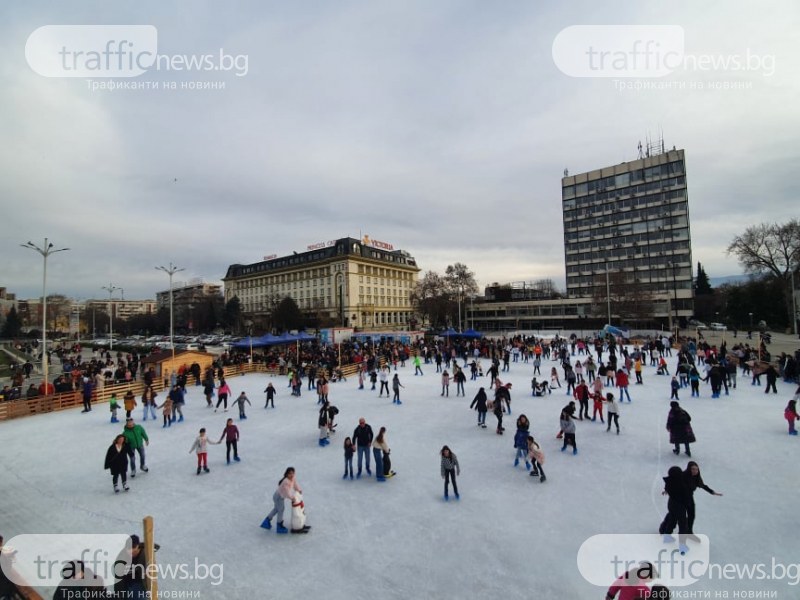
(509,536)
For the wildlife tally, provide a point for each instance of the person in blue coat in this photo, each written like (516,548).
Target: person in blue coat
(521,441)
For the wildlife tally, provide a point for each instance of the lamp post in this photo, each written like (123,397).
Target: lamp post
(608,295)
(170,271)
(794,304)
(111,288)
(751,324)
(340,285)
(45,252)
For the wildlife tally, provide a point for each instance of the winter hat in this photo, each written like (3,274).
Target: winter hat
(674,404)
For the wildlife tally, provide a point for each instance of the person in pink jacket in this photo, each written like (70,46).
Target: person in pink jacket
(222,393)
(287,487)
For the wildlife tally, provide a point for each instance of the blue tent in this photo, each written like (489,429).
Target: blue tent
(305,337)
(248,341)
(449,332)
(472,334)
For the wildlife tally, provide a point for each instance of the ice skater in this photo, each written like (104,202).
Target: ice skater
(349,450)
(200,446)
(479,404)
(396,385)
(680,428)
(613,412)
(240,401)
(521,441)
(270,392)
(231,435)
(223,391)
(536,458)
(790,414)
(449,469)
(117,462)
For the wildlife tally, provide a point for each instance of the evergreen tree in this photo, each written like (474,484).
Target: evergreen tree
(13,325)
(702,286)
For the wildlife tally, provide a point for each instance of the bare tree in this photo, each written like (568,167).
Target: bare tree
(771,248)
(429,298)
(460,284)
(631,301)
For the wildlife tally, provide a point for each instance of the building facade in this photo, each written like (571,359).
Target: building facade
(346,282)
(628,224)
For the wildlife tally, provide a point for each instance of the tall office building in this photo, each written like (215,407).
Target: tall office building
(629,223)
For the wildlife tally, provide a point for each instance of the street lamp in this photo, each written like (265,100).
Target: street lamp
(608,296)
(111,288)
(47,251)
(171,271)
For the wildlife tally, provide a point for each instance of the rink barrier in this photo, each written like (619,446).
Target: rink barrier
(25,407)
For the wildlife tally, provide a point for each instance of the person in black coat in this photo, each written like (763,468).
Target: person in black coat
(479,404)
(680,428)
(693,481)
(117,462)
(678,500)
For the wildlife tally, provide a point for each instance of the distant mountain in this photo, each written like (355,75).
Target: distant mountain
(718,281)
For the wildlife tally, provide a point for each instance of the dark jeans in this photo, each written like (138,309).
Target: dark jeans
(223,399)
(569,440)
(384,385)
(228,446)
(771,386)
(584,408)
(363,451)
(450,475)
(690,514)
(116,476)
(615,418)
(676,515)
(132,456)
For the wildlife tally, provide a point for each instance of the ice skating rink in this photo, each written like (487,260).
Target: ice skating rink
(509,536)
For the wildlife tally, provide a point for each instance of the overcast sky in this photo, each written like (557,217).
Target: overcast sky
(441,127)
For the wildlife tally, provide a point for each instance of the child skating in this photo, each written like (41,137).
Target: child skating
(240,401)
(201,447)
(231,435)
(790,414)
(536,458)
(270,392)
(349,450)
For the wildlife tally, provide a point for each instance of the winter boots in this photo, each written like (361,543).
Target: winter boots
(266,523)
(281,529)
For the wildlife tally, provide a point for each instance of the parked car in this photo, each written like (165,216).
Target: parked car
(717,327)
(694,324)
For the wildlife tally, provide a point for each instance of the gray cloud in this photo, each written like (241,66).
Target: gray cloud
(442,128)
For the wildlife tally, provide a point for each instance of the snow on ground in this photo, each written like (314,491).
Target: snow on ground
(509,536)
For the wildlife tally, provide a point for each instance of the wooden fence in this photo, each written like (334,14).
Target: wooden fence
(24,407)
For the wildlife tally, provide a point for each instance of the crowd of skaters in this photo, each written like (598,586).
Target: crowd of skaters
(580,371)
